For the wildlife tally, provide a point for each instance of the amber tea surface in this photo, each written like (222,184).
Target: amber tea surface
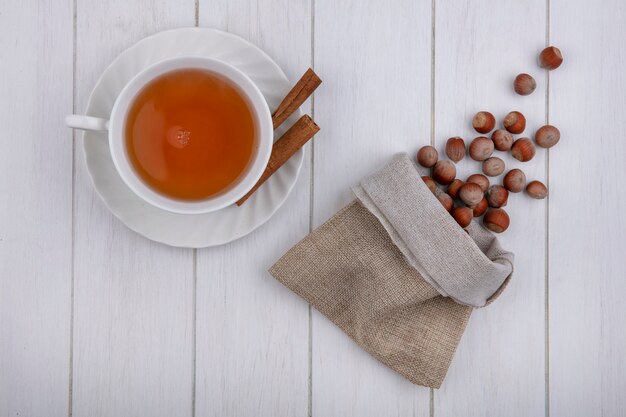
(190,134)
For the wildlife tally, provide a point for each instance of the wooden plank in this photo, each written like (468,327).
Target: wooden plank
(133,314)
(35,207)
(375,59)
(252,333)
(480,48)
(587,226)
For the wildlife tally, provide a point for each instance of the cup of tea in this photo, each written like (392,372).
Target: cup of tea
(188,135)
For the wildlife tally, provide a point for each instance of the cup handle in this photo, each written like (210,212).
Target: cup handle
(76,121)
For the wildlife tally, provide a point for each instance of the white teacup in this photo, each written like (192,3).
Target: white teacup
(116,124)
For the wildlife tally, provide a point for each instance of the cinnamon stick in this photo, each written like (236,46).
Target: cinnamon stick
(298,95)
(284,148)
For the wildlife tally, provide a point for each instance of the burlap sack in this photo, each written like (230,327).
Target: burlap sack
(388,268)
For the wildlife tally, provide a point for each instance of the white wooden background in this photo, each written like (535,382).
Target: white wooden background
(98,321)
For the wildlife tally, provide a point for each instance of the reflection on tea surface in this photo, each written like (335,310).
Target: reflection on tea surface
(190,134)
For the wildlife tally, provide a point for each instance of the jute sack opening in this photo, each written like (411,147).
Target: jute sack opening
(396,273)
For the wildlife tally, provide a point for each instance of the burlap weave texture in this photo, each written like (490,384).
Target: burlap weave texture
(353,271)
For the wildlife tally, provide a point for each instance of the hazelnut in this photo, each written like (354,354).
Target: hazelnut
(515,122)
(481,148)
(455,148)
(514,180)
(453,188)
(493,166)
(497,196)
(444,172)
(547,136)
(430,183)
(483,122)
(550,58)
(537,189)
(446,201)
(463,216)
(523,150)
(479,179)
(471,194)
(502,140)
(427,156)
(524,84)
(481,207)
(496,220)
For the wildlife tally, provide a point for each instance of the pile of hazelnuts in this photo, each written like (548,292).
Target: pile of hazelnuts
(475,196)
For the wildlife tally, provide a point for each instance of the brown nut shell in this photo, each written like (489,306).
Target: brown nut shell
(455,148)
(483,122)
(454,187)
(536,189)
(443,172)
(471,194)
(502,139)
(463,216)
(547,136)
(524,84)
(515,180)
(481,207)
(446,201)
(493,166)
(432,186)
(496,220)
(514,122)
(497,196)
(481,148)
(550,58)
(523,150)
(479,179)
(427,156)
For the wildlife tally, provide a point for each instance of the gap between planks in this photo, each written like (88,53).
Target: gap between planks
(70,392)
(194,321)
(431,406)
(311,217)
(547,239)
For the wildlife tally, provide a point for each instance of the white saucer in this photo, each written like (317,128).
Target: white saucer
(200,230)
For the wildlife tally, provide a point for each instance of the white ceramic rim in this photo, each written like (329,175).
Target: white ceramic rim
(200,230)
(263,125)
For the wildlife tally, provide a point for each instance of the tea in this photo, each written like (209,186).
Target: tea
(190,134)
